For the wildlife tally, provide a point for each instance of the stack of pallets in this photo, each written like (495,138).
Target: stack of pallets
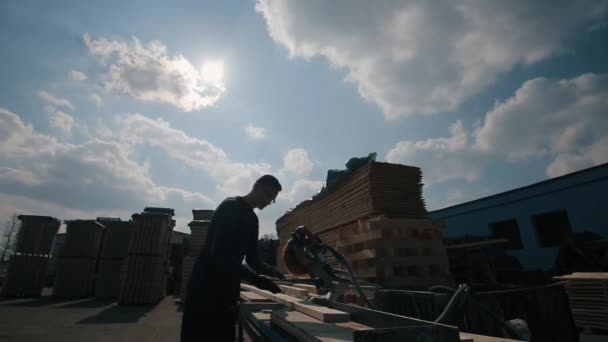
(113,253)
(27,267)
(77,265)
(588,296)
(199,227)
(144,272)
(377,217)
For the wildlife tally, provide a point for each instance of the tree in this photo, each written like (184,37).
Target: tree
(8,243)
(268,245)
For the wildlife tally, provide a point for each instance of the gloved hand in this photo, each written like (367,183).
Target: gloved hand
(262,282)
(273,272)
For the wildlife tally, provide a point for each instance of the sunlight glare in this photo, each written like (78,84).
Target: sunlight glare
(213,72)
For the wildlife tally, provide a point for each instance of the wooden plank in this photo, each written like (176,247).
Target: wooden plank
(483,338)
(307,329)
(310,288)
(294,291)
(319,312)
(249,296)
(585,276)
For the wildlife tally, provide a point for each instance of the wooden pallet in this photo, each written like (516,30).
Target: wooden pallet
(74,277)
(151,234)
(36,234)
(202,214)
(25,276)
(187,266)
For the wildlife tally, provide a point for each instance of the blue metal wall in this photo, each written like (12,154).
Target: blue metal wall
(583,194)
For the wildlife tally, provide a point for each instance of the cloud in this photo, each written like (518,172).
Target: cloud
(441,159)
(60,119)
(96,99)
(255,132)
(148,73)
(301,190)
(296,163)
(56,101)
(413,57)
(76,75)
(232,177)
(92,177)
(562,119)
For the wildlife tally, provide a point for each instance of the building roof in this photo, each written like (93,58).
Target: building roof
(594,173)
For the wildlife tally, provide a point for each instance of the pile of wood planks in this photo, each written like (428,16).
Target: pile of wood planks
(144,272)
(377,217)
(77,264)
(588,296)
(199,228)
(115,246)
(27,268)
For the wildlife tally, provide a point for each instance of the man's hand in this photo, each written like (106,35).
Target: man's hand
(262,282)
(273,272)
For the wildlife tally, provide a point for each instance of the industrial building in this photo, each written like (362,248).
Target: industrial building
(536,219)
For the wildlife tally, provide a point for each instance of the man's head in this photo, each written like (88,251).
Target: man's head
(264,191)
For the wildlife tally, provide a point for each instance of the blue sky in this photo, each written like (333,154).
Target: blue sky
(109,107)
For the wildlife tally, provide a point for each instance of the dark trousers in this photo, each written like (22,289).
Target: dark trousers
(209,325)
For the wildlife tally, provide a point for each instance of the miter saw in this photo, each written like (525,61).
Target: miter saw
(305,253)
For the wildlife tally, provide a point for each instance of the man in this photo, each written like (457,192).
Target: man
(210,308)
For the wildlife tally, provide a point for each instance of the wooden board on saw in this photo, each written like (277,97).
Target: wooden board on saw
(248,296)
(310,288)
(294,291)
(319,312)
(308,329)
(25,277)
(36,234)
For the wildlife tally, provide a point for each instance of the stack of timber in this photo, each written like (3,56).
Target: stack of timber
(377,217)
(588,296)
(144,272)
(199,228)
(27,268)
(77,264)
(114,250)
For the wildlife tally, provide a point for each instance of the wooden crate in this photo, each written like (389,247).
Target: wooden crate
(108,280)
(198,236)
(26,276)
(202,214)
(83,239)
(36,234)
(143,279)
(74,277)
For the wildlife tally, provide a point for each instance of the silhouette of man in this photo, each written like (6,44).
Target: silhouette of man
(211,305)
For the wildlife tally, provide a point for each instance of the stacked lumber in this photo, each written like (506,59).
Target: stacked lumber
(374,189)
(377,218)
(27,268)
(397,253)
(36,234)
(144,270)
(77,262)
(588,296)
(26,276)
(199,227)
(115,246)
(75,277)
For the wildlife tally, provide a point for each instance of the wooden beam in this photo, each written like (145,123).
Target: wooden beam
(307,329)
(248,296)
(294,291)
(319,312)
(310,288)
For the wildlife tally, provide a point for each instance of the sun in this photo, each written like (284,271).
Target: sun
(212,72)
